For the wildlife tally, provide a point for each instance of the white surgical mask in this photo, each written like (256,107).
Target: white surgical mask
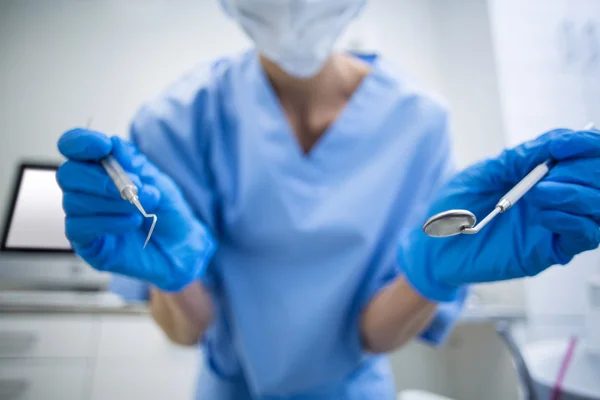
(297,35)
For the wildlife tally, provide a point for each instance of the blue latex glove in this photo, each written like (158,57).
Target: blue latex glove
(555,221)
(109,233)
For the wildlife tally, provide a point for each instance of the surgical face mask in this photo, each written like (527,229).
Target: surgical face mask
(297,35)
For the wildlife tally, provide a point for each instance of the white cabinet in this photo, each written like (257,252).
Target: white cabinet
(25,379)
(138,338)
(135,360)
(139,380)
(91,357)
(45,356)
(46,336)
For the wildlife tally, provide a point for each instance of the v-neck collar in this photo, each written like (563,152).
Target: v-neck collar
(360,118)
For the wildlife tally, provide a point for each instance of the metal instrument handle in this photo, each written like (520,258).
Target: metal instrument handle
(119,177)
(530,180)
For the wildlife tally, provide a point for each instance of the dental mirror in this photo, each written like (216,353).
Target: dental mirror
(455,222)
(449,223)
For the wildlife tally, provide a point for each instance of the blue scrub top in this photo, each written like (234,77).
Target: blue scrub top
(305,240)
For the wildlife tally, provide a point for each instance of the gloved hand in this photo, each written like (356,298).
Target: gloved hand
(558,219)
(109,233)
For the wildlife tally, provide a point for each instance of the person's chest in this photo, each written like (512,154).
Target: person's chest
(355,184)
(342,196)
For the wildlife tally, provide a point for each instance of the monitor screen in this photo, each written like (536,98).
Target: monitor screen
(36,221)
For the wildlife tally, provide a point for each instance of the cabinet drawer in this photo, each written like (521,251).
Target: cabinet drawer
(46,336)
(136,361)
(137,337)
(144,381)
(43,379)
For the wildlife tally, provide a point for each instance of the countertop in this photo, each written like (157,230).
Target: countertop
(67,302)
(478,313)
(109,303)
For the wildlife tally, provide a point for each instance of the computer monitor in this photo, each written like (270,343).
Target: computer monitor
(35,221)
(34,250)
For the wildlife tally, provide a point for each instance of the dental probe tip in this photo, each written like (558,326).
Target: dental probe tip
(154,219)
(136,202)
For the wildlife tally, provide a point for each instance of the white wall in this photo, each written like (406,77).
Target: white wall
(403,32)
(467,65)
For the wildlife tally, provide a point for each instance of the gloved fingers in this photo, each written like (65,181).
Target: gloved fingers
(560,144)
(581,171)
(517,162)
(134,160)
(569,224)
(131,158)
(576,145)
(91,178)
(84,145)
(566,197)
(575,233)
(86,229)
(84,204)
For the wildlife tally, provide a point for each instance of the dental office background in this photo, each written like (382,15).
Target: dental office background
(508,69)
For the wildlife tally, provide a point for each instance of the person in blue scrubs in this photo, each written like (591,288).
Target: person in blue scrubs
(290,183)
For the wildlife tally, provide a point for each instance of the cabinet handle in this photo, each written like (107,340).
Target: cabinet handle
(13,389)
(16,342)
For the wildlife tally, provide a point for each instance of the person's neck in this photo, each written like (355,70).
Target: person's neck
(311,105)
(338,79)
